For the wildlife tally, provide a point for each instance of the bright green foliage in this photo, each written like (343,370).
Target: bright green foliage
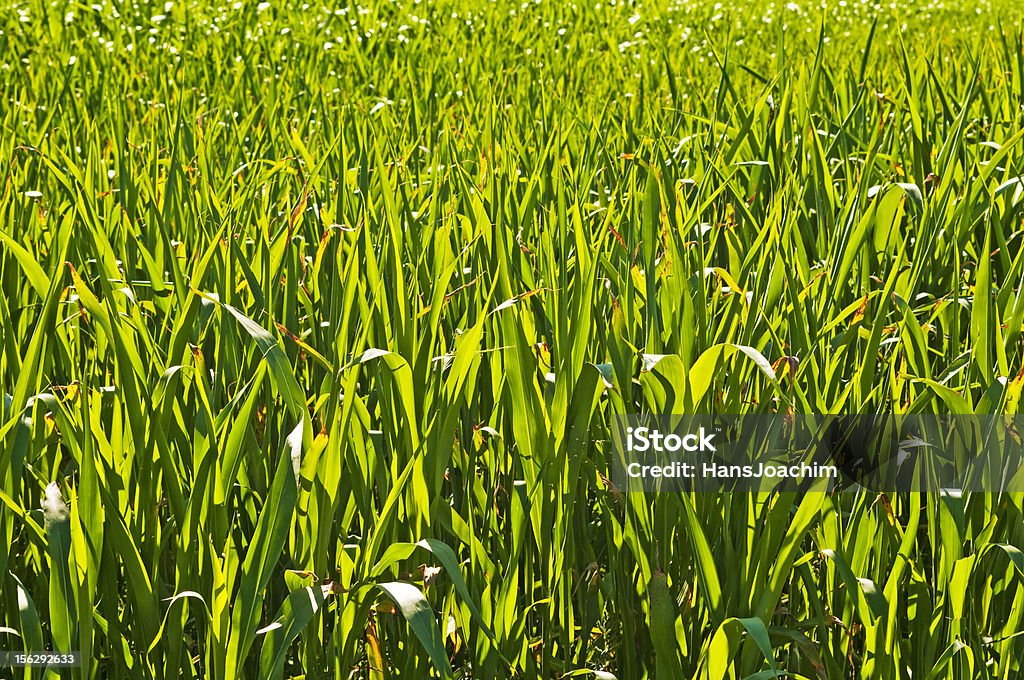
(313,320)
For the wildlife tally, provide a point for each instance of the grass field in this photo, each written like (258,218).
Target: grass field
(314,319)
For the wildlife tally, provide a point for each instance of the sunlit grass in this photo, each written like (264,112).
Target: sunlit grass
(314,318)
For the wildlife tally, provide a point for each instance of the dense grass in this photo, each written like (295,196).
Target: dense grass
(319,317)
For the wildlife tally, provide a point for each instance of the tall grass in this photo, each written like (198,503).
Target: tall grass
(313,321)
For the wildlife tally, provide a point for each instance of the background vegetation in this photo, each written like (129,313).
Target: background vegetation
(313,320)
